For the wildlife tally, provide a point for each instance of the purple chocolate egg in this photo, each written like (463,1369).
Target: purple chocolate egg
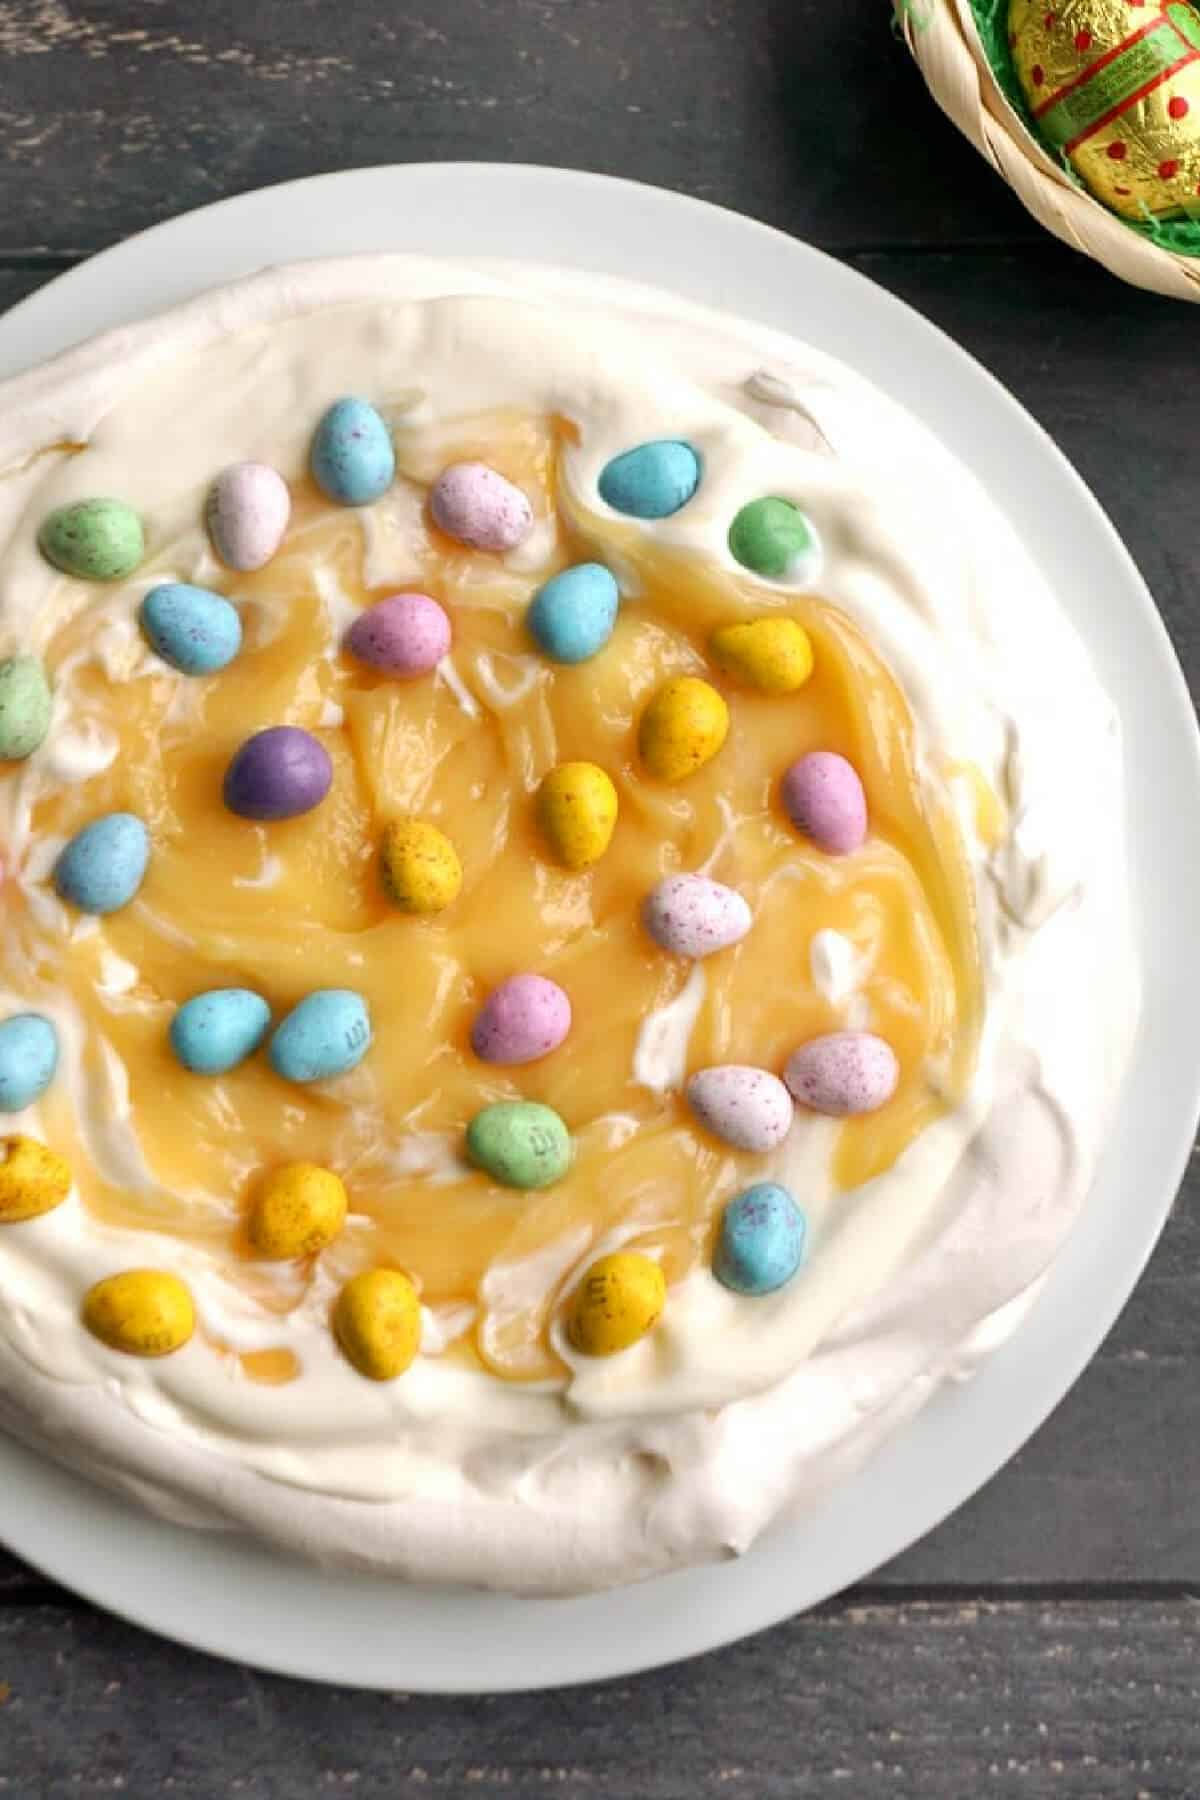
(479,507)
(824,798)
(747,1107)
(843,1073)
(690,915)
(247,514)
(406,634)
(278,774)
(522,1019)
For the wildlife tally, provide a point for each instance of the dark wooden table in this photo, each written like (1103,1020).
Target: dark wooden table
(1044,1641)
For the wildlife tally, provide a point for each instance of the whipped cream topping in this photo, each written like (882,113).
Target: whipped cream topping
(734,1411)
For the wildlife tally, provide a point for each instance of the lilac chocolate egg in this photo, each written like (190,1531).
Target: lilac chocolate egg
(406,634)
(247,514)
(844,1073)
(522,1019)
(824,798)
(480,508)
(278,774)
(693,916)
(746,1107)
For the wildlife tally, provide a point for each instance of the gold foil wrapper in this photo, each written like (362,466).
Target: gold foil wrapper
(1114,86)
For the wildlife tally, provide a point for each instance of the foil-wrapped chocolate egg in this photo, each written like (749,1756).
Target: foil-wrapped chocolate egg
(1114,88)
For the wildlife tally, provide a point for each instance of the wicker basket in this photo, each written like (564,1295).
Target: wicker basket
(942,37)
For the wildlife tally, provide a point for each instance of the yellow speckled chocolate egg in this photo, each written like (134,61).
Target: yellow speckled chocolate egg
(773,655)
(377,1322)
(33,1179)
(419,867)
(297,1211)
(618,1301)
(577,811)
(1114,87)
(144,1312)
(682,728)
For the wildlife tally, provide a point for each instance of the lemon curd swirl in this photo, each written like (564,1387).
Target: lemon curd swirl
(289,907)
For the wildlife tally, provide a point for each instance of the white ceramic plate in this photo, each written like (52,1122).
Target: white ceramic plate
(238,1600)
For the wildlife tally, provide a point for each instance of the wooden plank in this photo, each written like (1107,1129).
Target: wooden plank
(1046,1702)
(117,114)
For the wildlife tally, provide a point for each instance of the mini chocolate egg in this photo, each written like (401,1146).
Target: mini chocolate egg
(824,798)
(746,1107)
(619,1300)
(352,458)
(843,1073)
(28,1060)
(196,631)
(689,915)
(94,540)
(573,614)
(772,538)
(773,655)
(377,1323)
(651,481)
(247,513)
(24,707)
(328,1034)
(577,812)
(297,1211)
(215,1031)
(142,1312)
(33,1179)
(278,773)
(104,865)
(477,506)
(761,1242)
(406,635)
(519,1143)
(683,728)
(524,1018)
(419,867)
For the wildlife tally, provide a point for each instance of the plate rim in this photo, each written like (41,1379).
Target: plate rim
(530,1645)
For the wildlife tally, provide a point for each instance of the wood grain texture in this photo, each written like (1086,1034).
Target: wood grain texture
(1067,1702)
(117,113)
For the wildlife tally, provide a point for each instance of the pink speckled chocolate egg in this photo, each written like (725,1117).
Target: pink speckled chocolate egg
(746,1107)
(823,797)
(693,916)
(406,634)
(843,1073)
(247,514)
(480,508)
(527,1016)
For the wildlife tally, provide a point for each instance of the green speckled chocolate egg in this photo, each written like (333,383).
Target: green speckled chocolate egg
(771,537)
(24,707)
(519,1143)
(96,540)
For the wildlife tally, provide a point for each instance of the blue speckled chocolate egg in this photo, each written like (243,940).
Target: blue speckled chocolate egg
(652,481)
(215,1031)
(193,629)
(104,865)
(572,616)
(278,774)
(28,1059)
(352,458)
(761,1242)
(326,1035)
